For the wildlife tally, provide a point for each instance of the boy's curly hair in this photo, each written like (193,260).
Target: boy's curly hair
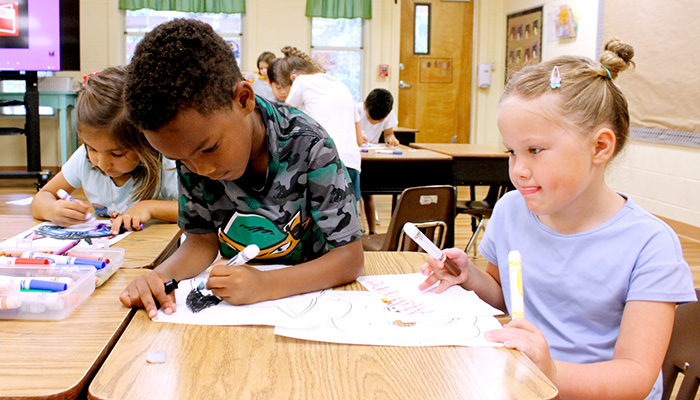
(180,64)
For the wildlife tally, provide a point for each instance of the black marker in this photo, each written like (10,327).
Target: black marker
(170,286)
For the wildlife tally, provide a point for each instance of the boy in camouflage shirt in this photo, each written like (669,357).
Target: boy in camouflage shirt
(250,173)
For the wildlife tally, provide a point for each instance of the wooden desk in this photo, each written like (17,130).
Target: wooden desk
(244,362)
(473,164)
(57,359)
(148,248)
(391,174)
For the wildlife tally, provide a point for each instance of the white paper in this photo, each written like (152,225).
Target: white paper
(22,202)
(287,311)
(400,292)
(353,317)
(359,318)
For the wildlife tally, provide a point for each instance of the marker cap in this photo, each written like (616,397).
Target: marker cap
(38,284)
(98,264)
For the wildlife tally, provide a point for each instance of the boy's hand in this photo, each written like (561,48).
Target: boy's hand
(142,291)
(132,218)
(435,270)
(391,140)
(67,213)
(522,335)
(237,284)
(365,140)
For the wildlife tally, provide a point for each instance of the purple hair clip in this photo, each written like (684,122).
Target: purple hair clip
(555,79)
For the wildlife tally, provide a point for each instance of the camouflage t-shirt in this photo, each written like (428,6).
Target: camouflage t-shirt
(304,209)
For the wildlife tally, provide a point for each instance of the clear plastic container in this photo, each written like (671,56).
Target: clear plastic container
(19,304)
(113,257)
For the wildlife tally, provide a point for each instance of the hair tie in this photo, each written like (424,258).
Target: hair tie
(85,77)
(607,70)
(555,78)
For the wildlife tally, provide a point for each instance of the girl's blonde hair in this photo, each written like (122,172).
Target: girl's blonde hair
(587,98)
(100,106)
(279,70)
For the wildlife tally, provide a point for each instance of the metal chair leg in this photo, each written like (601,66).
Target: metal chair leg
(472,240)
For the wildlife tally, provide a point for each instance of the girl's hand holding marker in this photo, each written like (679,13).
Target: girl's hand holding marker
(442,266)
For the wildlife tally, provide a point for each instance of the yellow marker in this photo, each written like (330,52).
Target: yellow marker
(516,285)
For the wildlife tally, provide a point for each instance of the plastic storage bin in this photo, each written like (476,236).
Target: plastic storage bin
(113,257)
(16,304)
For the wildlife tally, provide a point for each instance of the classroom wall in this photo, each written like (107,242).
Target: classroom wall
(664,179)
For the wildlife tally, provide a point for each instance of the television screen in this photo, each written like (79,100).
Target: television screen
(39,35)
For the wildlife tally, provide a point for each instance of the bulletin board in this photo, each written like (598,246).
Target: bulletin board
(662,89)
(524,40)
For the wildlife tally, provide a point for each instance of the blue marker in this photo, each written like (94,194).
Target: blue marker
(397,152)
(38,284)
(98,264)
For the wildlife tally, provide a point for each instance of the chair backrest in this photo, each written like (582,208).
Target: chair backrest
(431,208)
(683,355)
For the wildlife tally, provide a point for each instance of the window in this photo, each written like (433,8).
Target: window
(337,45)
(140,22)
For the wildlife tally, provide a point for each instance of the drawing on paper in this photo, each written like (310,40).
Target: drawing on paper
(58,232)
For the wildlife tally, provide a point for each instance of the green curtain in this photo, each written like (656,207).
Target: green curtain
(210,6)
(339,8)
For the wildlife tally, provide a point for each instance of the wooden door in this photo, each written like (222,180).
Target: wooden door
(438,101)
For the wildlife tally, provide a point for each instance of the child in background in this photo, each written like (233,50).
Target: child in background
(122,176)
(261,86)
(250,172)
(600,275)
(301,82)
(376,117)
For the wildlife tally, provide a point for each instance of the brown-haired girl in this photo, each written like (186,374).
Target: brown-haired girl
(122,176)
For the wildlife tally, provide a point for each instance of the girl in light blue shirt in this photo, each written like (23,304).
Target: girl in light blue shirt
(122,176)
(601,276)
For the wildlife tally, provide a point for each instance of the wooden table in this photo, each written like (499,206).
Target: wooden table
(391,174)
(244,362)
(56,359)
(148,248)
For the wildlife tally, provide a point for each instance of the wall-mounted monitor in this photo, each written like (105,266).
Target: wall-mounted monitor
(40,35)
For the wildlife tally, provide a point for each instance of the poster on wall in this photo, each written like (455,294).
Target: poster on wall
(523,40)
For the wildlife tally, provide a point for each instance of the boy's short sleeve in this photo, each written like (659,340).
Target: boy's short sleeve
(359,110)
(333,204)
(193,210)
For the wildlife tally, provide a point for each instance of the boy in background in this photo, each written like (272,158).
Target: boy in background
(376,116)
